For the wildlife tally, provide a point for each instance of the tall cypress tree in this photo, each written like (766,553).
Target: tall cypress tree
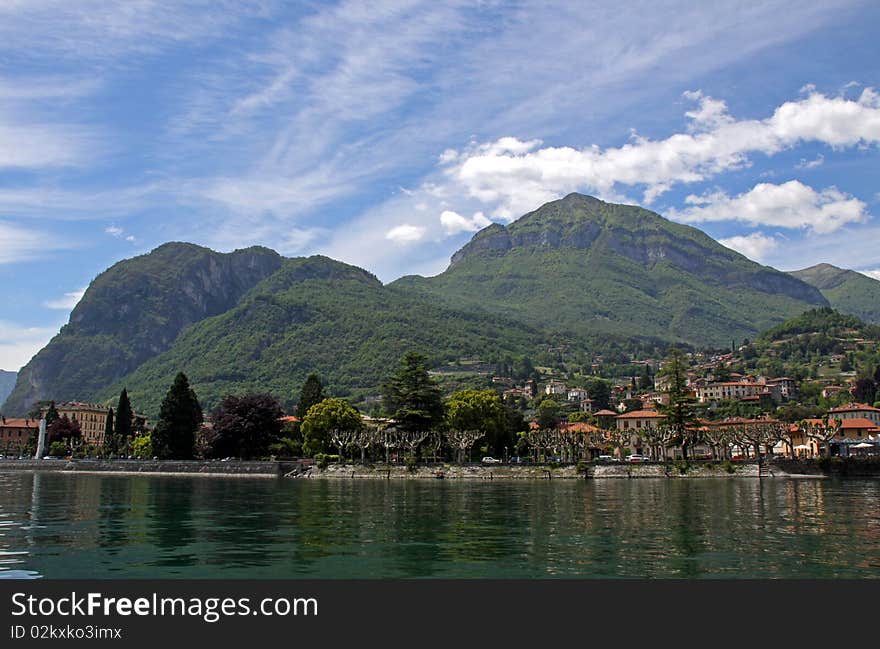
(680,410)
(108,429)
(179,418)
(122,425)
(51,413)
(312,392)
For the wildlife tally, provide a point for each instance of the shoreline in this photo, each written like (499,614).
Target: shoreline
(301,471)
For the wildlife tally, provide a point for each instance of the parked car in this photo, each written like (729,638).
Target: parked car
(636,458)
(490,460)
(516,460)
(607,458)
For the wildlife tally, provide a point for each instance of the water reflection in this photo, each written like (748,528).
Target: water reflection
(75,526)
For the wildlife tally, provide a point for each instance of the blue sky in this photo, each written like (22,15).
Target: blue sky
(384,134)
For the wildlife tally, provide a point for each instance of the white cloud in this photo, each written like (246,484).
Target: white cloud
(755,246)
(67,302)
(405,233)
(114,231)
(789,205)
(20,244)
(818,161)
(518,176)
(26,146)
(873,274)
(454,223)
(19,343)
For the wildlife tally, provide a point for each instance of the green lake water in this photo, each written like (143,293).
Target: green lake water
(58,525)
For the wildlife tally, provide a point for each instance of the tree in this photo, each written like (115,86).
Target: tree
(64,430)
(179,418)
(600,392)
(122,427)
(246,426)
(548,414)
(108,427)
(646,382)
(51,413)
(633,404)
(312,393)
(479,410)
(142,446)
(325,417)
(865,390)
(411,397)
(680,410)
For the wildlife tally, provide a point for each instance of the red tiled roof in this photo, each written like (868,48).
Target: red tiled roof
(855,407)
(857,423)
(14,422)
(605,413)
(642,414)
(578,427)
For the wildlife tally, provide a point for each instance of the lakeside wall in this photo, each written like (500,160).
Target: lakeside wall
(845,467)
(600,471)
(159,467)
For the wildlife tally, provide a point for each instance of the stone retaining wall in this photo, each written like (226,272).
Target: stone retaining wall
(183,467)
(601,471)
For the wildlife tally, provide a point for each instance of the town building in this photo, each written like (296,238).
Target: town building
(16,434)
(92,419)
(856,411)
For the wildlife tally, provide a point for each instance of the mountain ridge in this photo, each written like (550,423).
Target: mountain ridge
(846,290)
(576,272)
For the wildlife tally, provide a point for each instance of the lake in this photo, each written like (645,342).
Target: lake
(60,525)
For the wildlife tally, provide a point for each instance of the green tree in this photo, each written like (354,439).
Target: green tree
(680,410)
(480,410)
(142,446)
(179,418)
(312,392)
(411,397)
(548,414)
(600,392)
(246,426)
(108,427)
(51,413)
(323,418)
(122,426)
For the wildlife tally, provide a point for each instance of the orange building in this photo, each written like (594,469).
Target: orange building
(16,433)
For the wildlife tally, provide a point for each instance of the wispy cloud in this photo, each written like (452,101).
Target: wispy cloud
(22,244)
(67,302)
(19,343)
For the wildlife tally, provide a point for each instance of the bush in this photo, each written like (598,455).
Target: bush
(58,449)
(682,467)
(727,465)
(411,464)
(286,447)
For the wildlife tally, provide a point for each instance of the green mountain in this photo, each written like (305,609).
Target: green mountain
(584,266)
(318,315)
(7,382)
(846,290)
(133,311)
(574,278)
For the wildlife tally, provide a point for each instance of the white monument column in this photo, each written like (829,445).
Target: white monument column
(41,440)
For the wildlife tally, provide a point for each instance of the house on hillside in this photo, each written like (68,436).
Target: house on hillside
(856,411)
